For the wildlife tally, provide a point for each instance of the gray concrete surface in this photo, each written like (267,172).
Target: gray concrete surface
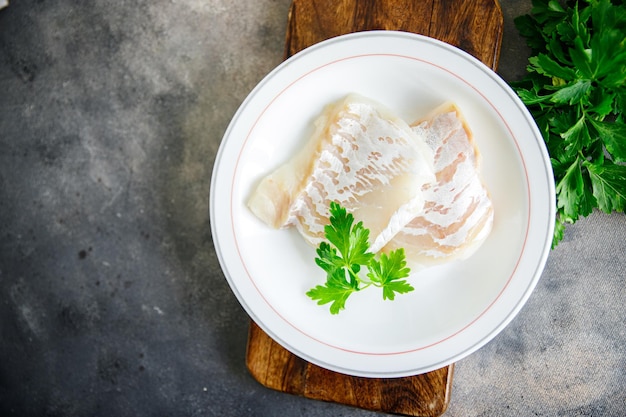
(112,302)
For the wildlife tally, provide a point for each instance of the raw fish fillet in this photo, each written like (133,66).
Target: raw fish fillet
(458,212)
(361,156)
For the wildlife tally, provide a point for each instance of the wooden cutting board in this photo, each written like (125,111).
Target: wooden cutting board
(474,26)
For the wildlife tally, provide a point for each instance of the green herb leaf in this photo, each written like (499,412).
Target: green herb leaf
(351,241)
(609,185)
(581,57)
(531,96)
(388,273)
(614,137)
(342,257)
(545,65)
(572,93)
(570,191)
(336,291)
(576,137)
(327,258)
(575,88)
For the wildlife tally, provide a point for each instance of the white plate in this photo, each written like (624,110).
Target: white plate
(456,308)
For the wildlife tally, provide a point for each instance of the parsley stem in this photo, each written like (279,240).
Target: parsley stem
(354,279)
(366,284)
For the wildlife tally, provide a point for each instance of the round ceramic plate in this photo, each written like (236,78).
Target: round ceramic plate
(455,308)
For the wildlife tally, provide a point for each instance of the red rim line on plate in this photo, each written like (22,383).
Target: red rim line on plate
(250,277)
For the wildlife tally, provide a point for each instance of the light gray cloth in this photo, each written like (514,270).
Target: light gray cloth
(112,302)
(564,353)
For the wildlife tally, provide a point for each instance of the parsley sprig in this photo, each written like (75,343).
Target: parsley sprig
(575,88)
(343,257)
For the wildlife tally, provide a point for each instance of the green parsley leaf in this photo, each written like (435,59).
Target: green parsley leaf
(336,291)
(571,192)
(327,258)
(575,88)
(545,65)
(572,93)
(388,273)
(614,137)
(351,241)
(609,185)
(576,137)
(342,257)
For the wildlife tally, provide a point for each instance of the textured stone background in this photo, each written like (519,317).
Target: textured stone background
(112,302)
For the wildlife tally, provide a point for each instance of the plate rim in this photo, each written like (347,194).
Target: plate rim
(540,264)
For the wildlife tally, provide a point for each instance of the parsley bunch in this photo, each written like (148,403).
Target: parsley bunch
(344,254)
(575,88)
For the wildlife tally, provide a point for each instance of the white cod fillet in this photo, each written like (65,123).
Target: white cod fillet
(458,212)
(360,156)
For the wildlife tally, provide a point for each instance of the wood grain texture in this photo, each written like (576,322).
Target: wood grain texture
(276,368)
(474,26)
